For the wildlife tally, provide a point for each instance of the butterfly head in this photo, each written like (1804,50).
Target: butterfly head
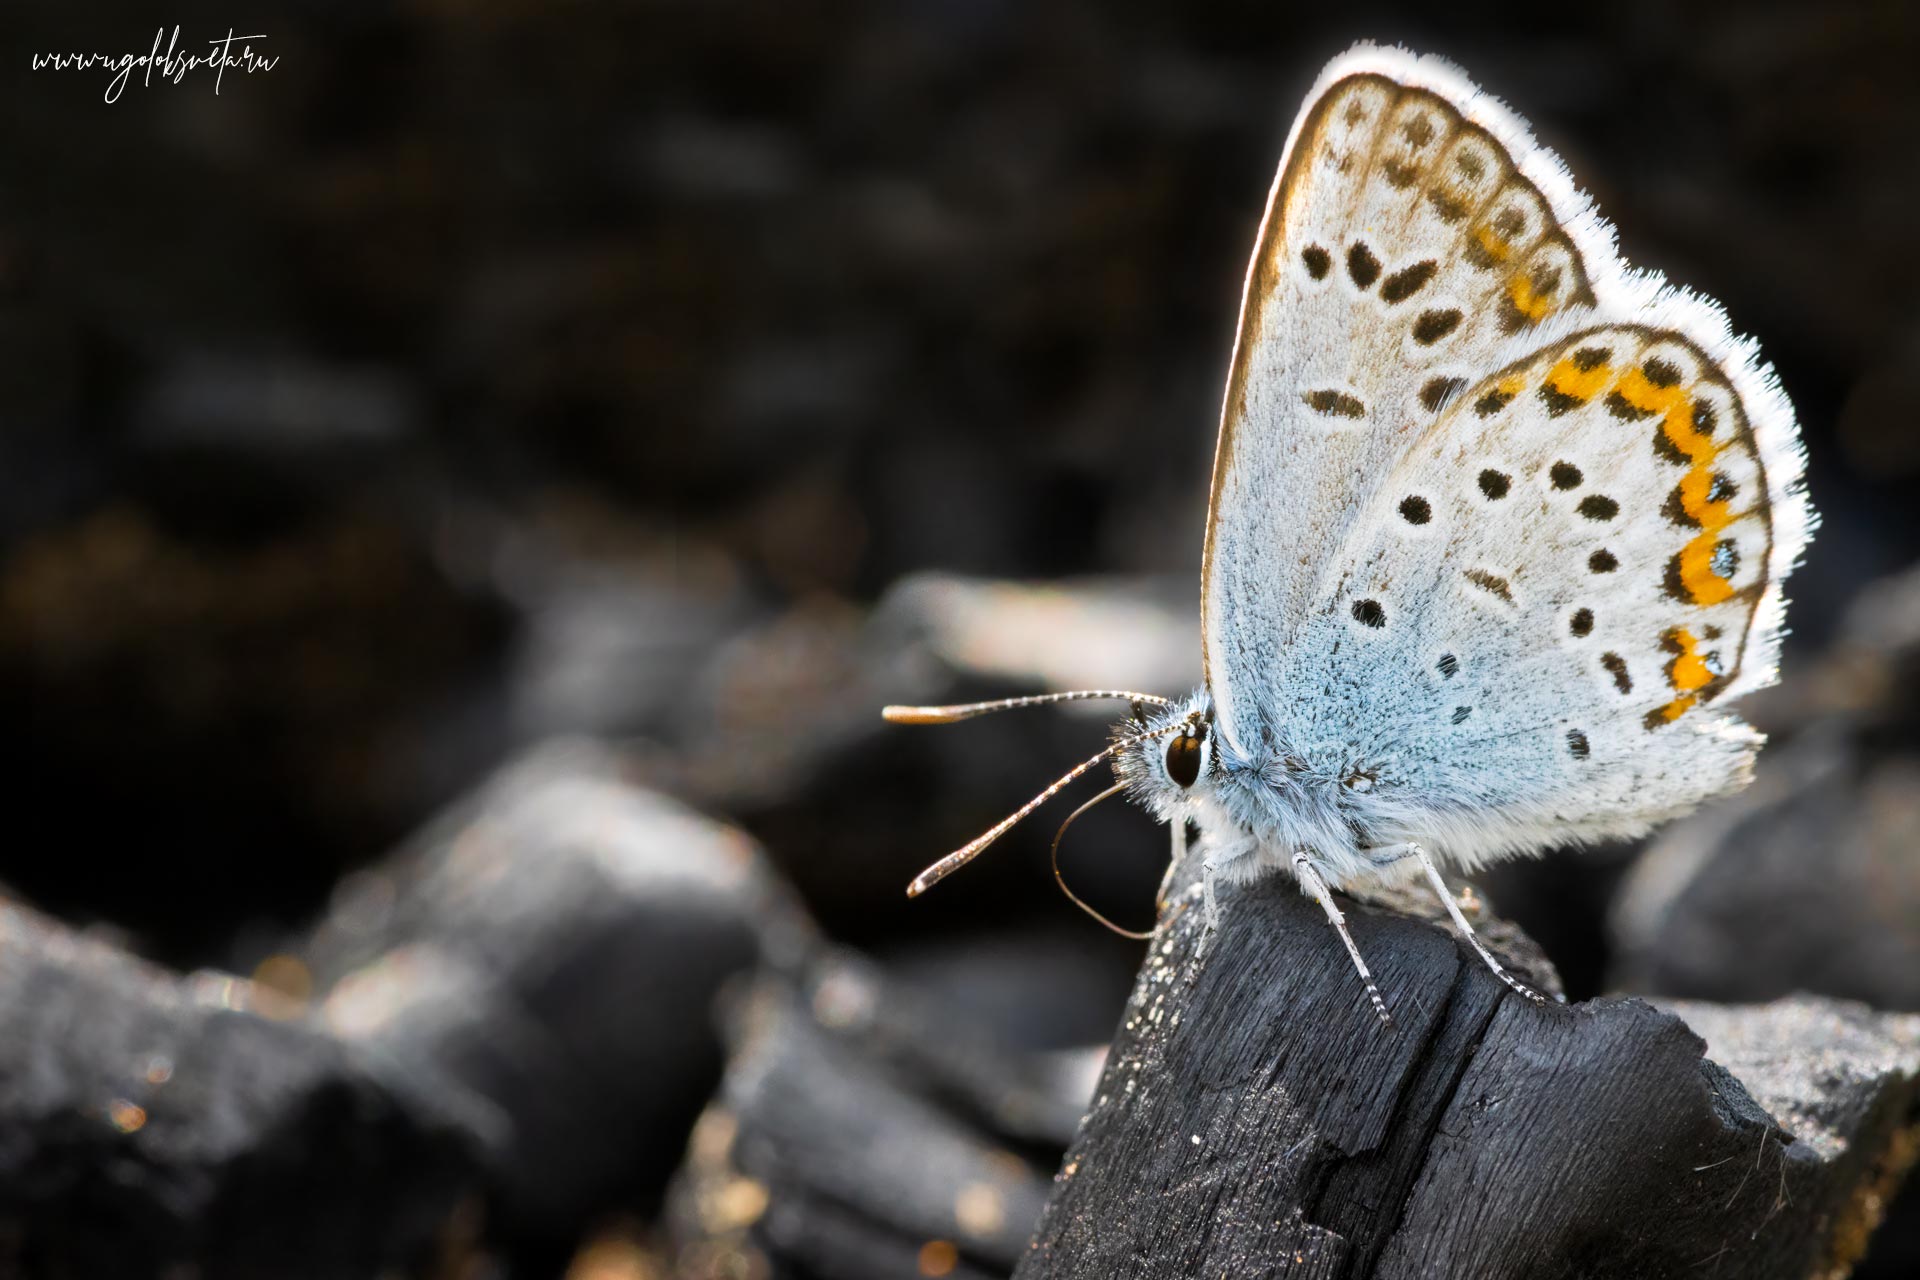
(1170,756)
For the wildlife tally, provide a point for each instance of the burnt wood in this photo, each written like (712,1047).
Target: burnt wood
(1256,1120)
(159,1125)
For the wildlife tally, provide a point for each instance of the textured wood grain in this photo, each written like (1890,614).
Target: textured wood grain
(1256,1120)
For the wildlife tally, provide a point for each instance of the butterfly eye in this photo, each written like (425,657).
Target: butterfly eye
(1183,759)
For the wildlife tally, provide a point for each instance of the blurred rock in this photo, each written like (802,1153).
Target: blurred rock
(862,1133)
(1809,879)
(617,626)
(783,731)
(1100,633)
(931,1041)
(1055,983)
(553,944)
(157,1125)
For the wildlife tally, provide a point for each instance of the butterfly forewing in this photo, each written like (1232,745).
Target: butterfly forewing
(1401,243)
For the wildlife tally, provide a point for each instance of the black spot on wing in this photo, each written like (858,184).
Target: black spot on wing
(1403,284)
(1597,506)
(1438,391)
(1558,401)
(1362,266)
(1565,475)
(1704,418)
(1492,402)
(1603,561)
(1369,613)
(1675,508)
(1660,373)
(1415,509)
(1435,325)
(1399,173)
(1336,404)
(1617,668)
(1581,624)
(1619,407)
(1577,745)
(1318,261)
(1673,584)
(1449,666)
(1495,484)
(1492,584)
(1667,451)
(1450,207)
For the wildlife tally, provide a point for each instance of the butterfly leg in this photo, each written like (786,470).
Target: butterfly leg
(1178,828)
(1210,901)
(1316,886)
(1460,922)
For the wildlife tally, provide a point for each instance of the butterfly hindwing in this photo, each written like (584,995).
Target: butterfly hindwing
(1544,605)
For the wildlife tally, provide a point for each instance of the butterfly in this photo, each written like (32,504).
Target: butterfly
(1498,524)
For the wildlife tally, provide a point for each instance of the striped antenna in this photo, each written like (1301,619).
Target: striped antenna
(975,847)
(968,710)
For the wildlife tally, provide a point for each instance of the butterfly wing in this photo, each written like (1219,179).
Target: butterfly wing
(1549,579)
(1402,242)
(1537,616)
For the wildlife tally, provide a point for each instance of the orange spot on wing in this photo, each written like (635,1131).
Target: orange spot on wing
(1702,584)
(1674,710)
(1490,241)
(1688,671)
(1528,303)
(1696,571)
(1569,379)
(1642,394)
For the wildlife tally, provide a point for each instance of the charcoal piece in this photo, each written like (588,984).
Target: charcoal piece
(859,1136)
(1256,1119)
(553,944)
(152,1124)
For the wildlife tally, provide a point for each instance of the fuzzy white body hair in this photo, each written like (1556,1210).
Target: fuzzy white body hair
(1498,523)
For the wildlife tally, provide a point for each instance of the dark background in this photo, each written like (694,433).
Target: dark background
(484,372)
